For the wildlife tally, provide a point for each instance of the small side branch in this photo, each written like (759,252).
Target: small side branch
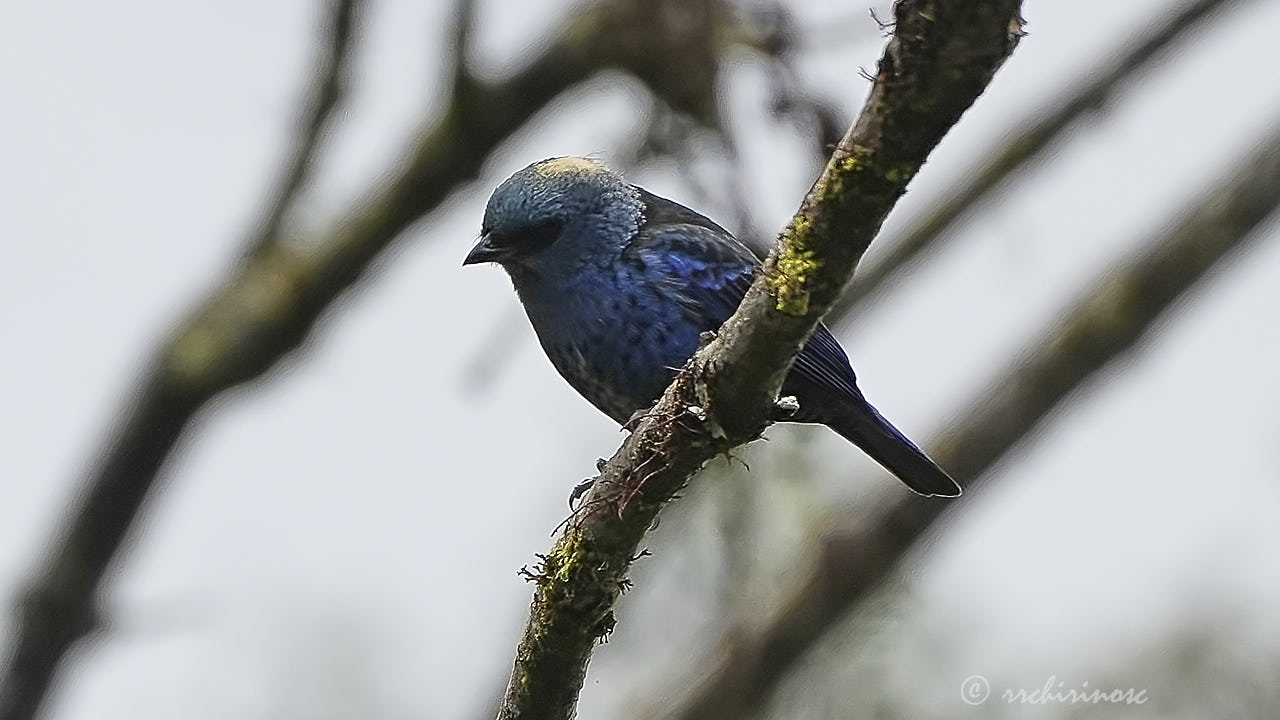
(326,94)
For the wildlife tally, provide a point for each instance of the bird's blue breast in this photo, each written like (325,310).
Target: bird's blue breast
(614,333)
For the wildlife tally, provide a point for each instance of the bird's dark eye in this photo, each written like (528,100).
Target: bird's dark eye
(528,239)
(541,235)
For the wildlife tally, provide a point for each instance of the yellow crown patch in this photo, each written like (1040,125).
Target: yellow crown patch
(568,166)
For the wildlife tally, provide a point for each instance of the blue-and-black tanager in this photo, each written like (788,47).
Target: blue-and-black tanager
(619,285)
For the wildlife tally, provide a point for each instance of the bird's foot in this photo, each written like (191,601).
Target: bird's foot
(580,490)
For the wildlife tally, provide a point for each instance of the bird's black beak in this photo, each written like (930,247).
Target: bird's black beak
(486,251)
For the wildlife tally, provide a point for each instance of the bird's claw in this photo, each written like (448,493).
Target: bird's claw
(579,490)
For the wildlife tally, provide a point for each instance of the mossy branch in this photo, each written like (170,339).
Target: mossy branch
(942,56)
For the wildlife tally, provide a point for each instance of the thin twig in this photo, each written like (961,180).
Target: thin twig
(325,96)
(464,18)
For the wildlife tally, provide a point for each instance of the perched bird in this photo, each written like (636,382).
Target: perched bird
(619,284)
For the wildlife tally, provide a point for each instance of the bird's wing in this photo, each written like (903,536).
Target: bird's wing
(698,263)
(709,272)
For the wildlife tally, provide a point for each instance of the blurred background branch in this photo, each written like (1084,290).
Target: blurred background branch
(929,233)
(1111,318)
(58,606)
(330,81)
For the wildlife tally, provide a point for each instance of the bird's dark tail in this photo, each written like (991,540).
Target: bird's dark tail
(864,426)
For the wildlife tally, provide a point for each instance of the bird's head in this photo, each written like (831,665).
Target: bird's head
(556,214)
